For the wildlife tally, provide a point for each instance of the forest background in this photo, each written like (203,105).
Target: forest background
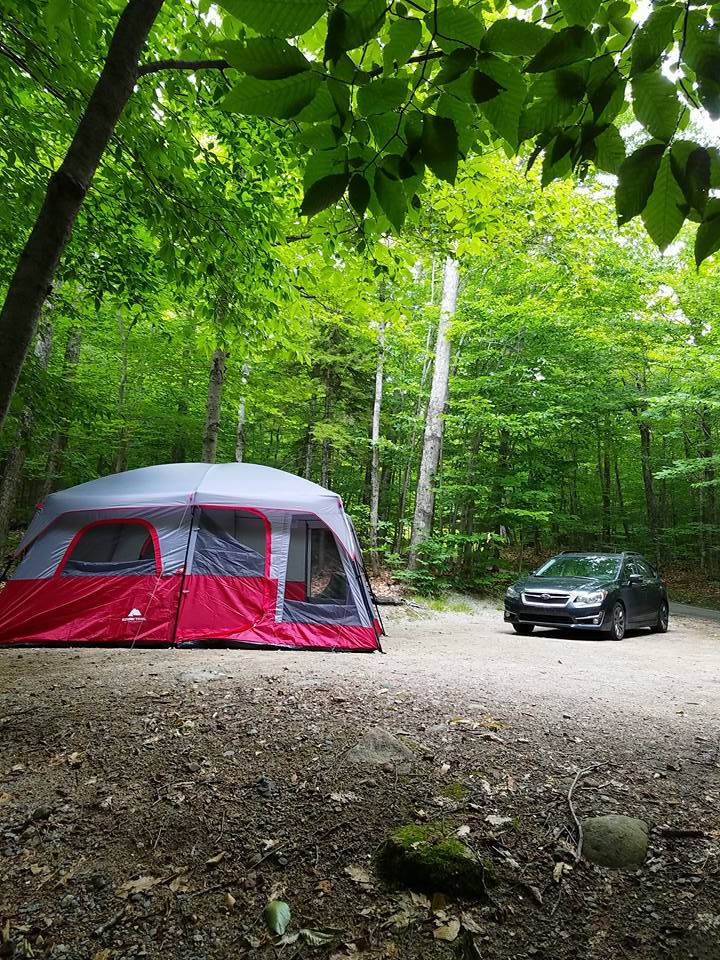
(564,395)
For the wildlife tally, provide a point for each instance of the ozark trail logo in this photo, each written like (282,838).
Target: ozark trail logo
(134,616)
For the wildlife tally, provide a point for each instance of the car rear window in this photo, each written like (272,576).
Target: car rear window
(569,566)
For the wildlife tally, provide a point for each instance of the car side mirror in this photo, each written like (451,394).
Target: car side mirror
(634,578)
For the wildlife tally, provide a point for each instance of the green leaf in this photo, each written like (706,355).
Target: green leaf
(579,12)
(321,936)
(277,916)
(352,23)
(664,211)
(516,38)
(707,239)
(454,27)
(605,89)
(267,58)
(462,116)
(440,147)
(636,178)
(610,150)
(403,42)
(455,65)
(655,104)
(697,178)
(278,18)
(281,99)
(566,46)
(392,199)
(484,88)
(381,96)
(504,111)
(653,36)
(359,193)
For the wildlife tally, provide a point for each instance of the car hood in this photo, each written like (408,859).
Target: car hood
(561,584)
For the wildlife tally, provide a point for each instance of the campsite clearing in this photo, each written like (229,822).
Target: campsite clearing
(153,801)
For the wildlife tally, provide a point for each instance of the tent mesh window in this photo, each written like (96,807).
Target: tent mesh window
(125,548)
(229,543)
(316,588)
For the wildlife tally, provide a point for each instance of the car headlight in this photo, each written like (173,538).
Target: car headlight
(586,599)
(512,593)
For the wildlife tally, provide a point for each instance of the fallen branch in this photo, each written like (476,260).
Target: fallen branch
(681,832)
(581,773)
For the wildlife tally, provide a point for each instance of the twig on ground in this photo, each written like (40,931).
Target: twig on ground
(109,924)
(581,773)
(681,832)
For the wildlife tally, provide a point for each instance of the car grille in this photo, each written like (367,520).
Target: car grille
(545,599)
(551,618)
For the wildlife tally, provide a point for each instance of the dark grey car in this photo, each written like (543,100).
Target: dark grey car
(603,592)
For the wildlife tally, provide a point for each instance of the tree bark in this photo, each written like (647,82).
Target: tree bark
(432,439)
(212,416)
(59,438)
(621,502)
(325,453)
(121,456)
(604,475)
(240,432)
(648,485)
(309,446)
(375,454)
(32,280)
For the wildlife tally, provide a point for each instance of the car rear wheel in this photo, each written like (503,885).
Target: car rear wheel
(663,619)
(617,623)
(525,629)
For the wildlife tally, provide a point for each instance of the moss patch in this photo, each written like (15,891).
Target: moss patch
(457,791)
(420,857)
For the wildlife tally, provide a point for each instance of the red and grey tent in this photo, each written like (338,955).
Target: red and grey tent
(188,552)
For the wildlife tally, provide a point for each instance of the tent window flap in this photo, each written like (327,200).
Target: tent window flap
(229,543)
(122,548)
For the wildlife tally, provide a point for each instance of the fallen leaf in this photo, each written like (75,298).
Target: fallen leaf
(140,885)
(534,893)
(561,868)
(463,831)
(447,931)
(214,861)
(359,875)
(470,923)
(497,821)
(230,901)
(439,902)
(76,758)
(277,916)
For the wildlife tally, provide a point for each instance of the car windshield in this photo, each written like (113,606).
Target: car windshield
(589,567)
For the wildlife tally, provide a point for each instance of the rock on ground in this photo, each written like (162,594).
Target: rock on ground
(615,841)
(378,746)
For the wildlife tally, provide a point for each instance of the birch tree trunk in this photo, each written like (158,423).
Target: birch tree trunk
(309,445)
(32,280)
(375,458)
(432,439)
(59,438)
(240,432)
(325,451)
(212,416)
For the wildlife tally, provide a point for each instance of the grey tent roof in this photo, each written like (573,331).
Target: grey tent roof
(181,484)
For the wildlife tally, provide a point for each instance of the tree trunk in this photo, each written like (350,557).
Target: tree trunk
(375,458)
(240,432)
(709,512)
(59,438)
(407,472)
(621,502)
(650,498)
(212,416)
(32,280)
(309,447)
(604,474)
(121,457)
(325,455)
(12,476)
(432,439)
(178,453)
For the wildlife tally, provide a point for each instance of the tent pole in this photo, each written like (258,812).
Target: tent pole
(184,574)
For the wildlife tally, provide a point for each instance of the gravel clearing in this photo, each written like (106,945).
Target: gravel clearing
(152,802)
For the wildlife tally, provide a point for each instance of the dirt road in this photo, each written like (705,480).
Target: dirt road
(124,774)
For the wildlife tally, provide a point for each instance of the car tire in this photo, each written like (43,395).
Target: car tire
(617,622)
(661,625)
(524,629)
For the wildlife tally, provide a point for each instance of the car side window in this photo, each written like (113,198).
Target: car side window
(628,570)
(644,570)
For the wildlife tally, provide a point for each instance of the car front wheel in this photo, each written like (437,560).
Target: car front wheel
(617,623)
(525,629)
(661,625)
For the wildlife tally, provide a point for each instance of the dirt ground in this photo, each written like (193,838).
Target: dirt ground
(153,802)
